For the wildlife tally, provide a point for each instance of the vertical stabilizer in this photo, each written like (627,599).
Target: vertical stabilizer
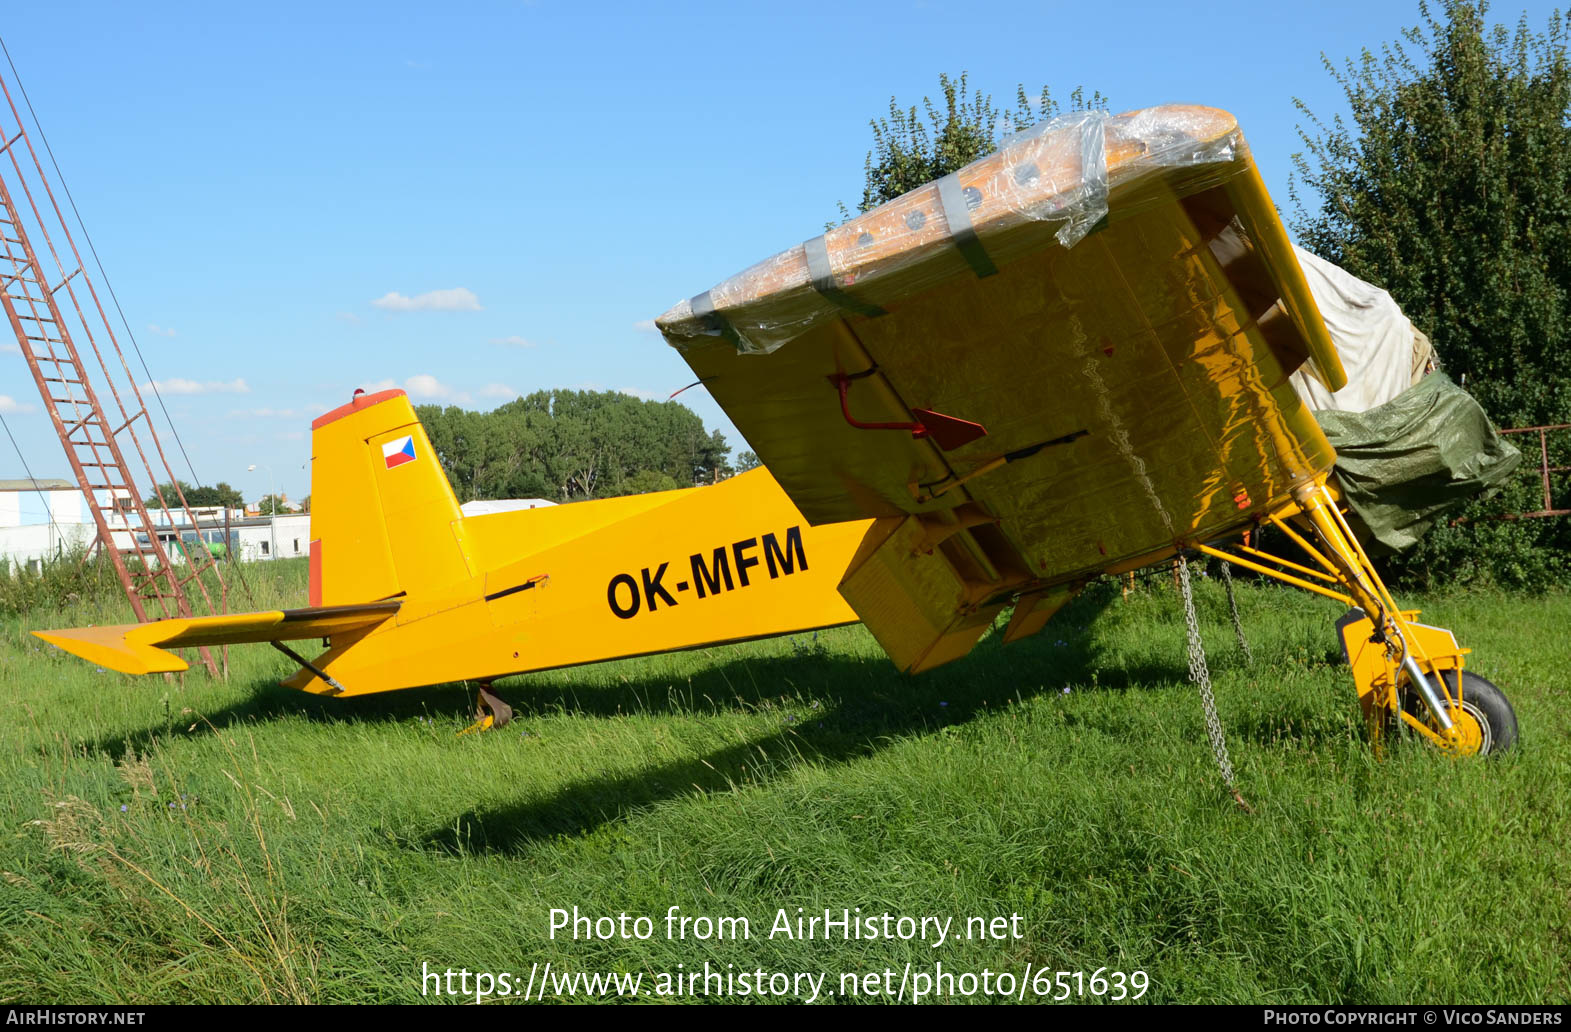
(383,517)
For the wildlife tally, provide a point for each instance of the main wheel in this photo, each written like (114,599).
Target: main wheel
(1487,722)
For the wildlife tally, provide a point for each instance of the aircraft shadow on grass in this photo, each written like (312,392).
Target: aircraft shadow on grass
(875,706)
(863,721)
(731,682)
(861,707)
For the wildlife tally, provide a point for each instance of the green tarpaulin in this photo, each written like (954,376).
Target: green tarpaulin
(1406,463)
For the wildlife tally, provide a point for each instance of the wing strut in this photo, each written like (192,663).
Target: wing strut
(318,671)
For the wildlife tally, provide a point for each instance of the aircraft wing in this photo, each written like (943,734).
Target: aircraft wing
(140,648)
(1069,357)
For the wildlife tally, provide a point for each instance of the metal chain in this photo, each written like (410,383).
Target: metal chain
(1199,674)
(1232,605)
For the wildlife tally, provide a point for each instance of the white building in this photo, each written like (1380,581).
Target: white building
(281,537)
(252,538)
(41,519)
(46,518)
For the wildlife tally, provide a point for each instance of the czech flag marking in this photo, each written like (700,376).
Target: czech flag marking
(396,453)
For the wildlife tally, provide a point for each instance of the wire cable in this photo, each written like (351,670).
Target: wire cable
(48,509)
(131,336)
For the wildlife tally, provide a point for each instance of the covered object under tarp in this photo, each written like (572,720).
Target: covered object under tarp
(1410,444)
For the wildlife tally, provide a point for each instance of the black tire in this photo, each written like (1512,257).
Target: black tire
(1481,701)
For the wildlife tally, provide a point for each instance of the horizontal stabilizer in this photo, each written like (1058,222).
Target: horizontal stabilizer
(139,648)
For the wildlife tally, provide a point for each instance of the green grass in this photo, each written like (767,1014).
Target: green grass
(201,841)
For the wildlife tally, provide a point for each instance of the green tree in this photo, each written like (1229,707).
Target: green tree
(165,494)
(219,494)
(566,445)
(197,497)
(746,461)
(268,505)
(911,148)
(648,480)
(1447,183)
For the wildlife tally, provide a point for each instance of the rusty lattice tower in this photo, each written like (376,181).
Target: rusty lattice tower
(88,389)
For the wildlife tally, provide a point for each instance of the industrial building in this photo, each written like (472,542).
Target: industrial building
(40,519)
(49,517)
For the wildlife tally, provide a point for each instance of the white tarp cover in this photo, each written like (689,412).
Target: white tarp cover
(1383,353)
(1410,447)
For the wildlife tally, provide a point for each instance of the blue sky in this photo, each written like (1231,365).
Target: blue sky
(478,199)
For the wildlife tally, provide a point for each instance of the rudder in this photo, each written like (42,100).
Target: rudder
(383,517)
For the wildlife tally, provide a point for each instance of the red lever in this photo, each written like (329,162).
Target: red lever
(948,432)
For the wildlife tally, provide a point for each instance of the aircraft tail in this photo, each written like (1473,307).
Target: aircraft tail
(384,520)
(143,648)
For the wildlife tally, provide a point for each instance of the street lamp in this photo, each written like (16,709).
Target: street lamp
(272,498)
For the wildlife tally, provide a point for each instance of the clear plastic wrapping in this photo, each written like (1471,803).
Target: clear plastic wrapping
(1048,186)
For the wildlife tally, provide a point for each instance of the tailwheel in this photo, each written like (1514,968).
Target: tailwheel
(1487,723)
(490,711)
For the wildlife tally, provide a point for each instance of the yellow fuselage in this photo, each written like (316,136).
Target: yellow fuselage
(609,579)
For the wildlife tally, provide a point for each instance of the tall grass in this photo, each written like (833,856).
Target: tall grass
(75,581)
(59,584)
(197,840)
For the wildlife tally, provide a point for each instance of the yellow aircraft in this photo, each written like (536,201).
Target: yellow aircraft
(1069,359)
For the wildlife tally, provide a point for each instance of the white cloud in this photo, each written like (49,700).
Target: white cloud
(10,349)
(424,385)
(646,326)
(162,331)
(11,407)
(514,341)
(348,317)
(268,413)
(177,385)
(456,299)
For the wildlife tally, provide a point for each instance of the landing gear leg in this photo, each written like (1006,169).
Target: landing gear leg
(490,710)
(1405,671)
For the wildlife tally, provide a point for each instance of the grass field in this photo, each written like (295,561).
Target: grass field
(202,841)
